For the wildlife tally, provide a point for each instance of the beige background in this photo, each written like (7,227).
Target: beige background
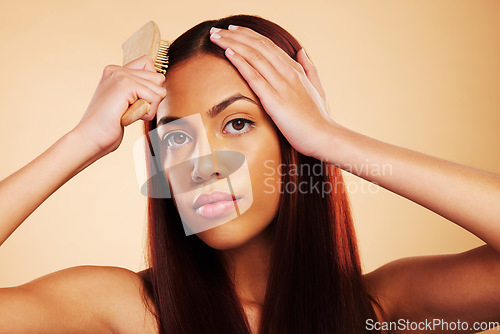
(420,74)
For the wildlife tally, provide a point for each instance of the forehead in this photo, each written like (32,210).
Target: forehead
(199,83)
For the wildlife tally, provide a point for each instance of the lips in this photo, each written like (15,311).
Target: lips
(216,204)
(213,197)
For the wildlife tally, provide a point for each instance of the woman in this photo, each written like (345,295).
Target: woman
(287,262)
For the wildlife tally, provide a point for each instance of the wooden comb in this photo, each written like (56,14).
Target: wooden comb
(144,41)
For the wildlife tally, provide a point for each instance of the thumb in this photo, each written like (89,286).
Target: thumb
(311,72)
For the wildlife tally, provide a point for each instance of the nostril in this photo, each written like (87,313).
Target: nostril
(204,168)
(195,176)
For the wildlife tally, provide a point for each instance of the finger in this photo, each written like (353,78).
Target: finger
(254,58)
(142,63)
(259,85)
(311,72)
(149,115)
(158,88)
(261,41)
(145,93)
(155,77)
(261,45)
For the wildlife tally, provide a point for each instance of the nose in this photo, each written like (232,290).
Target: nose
(205,168)
(217,165)
(210,165)
(214,161)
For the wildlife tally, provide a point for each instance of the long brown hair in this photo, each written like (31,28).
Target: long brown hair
(315,283)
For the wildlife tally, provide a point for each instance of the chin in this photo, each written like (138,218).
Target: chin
(224,237)
(230,235)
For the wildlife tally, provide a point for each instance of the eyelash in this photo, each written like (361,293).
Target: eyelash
(246,121)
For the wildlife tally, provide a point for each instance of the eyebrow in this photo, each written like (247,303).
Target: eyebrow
(214,111)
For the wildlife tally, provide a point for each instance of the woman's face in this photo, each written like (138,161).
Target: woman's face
(220,162)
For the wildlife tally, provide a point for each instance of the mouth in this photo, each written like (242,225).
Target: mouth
(215,204)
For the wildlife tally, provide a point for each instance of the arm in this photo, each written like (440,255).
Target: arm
(81,299)
(22,192)
(98,133)
(466,196)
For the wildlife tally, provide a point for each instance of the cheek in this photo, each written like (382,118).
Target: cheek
(263,164)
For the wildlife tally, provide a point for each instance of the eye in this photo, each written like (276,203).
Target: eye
(238,125)
(175,139)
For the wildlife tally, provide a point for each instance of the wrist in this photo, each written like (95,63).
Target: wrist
(83,151)
(332,141)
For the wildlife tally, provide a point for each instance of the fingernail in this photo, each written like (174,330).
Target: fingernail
(231,52)
(215,36)
(232,27)
(214,29)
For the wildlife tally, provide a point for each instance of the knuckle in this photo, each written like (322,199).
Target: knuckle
(241,28)
(263,42)
(159,97)
(312,68)
(254,75)
(257,56)
(297,67)
(109,69)
(292,74)
(121,79)
(148,116)
(147,58)
(160,79)
(266,42)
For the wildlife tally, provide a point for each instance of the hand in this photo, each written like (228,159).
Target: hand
(119,87)
(290,92)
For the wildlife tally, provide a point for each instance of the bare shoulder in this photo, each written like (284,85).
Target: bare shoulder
(79,299)
(390,285)
(124,297)
(393,284)
(444,286)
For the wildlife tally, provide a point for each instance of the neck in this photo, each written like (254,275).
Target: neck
(248,266)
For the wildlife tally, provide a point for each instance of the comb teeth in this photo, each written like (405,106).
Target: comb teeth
(161,61)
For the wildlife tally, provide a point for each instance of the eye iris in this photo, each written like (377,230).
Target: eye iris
(238,124)
(179,138)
